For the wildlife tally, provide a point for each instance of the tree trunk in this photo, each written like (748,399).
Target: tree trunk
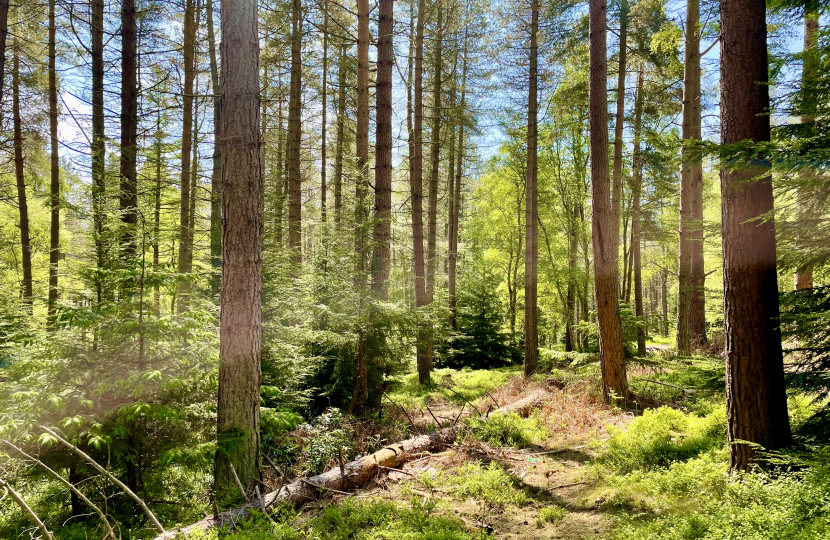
(636,262)
(22,203)
(756,402)
(157,216)
(459,176)
(98,148)
(216,171)
(4,32)
(614,381)
(417,194)
(341,128)
(570,303)
(664,298)
(185,235)
(294,139)
(129,129)
(241,311)
(435,157)
(531,210)
(55,183)
(383,152)
(690,306)
(809,76)
(619,120)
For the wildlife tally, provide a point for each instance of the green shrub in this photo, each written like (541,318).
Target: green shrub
(551,514)
(508,430)
(662,436)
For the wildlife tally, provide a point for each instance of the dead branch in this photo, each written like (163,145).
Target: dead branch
(25,507)
(111,478)
(238,483)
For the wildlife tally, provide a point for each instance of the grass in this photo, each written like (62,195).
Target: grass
(509,429)
(451,385)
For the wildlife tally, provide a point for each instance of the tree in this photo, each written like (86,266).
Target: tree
(531,206)
(4,31)
(185,224)
(417,193)
(128,196)
(690,305)
(216,170)
(614,379)
(756,402)
(240,334)
(636,218)
(295,136)
(383,152)
(619,120)
(54,170)
(98,146)
(435,157)
(22,200)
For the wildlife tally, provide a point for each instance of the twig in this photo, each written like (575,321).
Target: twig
(462,397)
(72,488)
(271,463)
(238,483)
(111,478)
(568,485)
(459,414)
(29,512)
(433,416)
(340,458)
(664,384)
(306,482)
(394,469)
(494,399)
(404,411)
(262,505)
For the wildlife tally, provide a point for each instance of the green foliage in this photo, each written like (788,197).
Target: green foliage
(456,386)
(491,487)
(324,440)
(550,514)
(662,436)
(509,429)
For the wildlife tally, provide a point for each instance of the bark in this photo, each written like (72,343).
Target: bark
(459,176)
(341,128)
(22,201)
(4,32)
(185,235)
(809,76)
(240,334)
(98,148)
(570,301)
(619,120)
(417,194)
(756,402)
(435,157)
(216,171)
(383,153)
(324,99)
(54,169)
(605,257)
(664,297)
(636,261)
(690,302)
(531,207)
(157,216)
(129,129)
(294,138)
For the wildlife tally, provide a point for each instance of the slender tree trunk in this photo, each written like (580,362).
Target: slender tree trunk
(4,32)
(570,303)
(324,99)
(756,402)
(435,157)
(619,120)
(341,128)
(281,176)
(216,171)
(636,241)
(55,183)
(614,381)
(809,76)
(383,152)
(531,210)
(194,173)
(185,246)
(664,297)
(98,148)
(22,203)
(240,334)
(690,267)
(129,129)
(417,195)
(294,138)
(157,216)
(459,176)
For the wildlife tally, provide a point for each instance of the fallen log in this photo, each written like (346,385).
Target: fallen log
(349,476)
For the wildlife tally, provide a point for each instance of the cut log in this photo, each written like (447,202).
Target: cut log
(352,475)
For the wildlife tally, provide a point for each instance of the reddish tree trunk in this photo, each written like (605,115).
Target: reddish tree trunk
(756,402)
(129,128)
(294,138)
(531,210)
(22,200)
(54,169)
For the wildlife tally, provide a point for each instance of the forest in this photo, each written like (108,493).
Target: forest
(439,270)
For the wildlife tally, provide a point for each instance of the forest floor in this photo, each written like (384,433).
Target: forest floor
(506,476)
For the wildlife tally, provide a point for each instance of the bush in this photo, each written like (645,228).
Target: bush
(662,436)
(509,430)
